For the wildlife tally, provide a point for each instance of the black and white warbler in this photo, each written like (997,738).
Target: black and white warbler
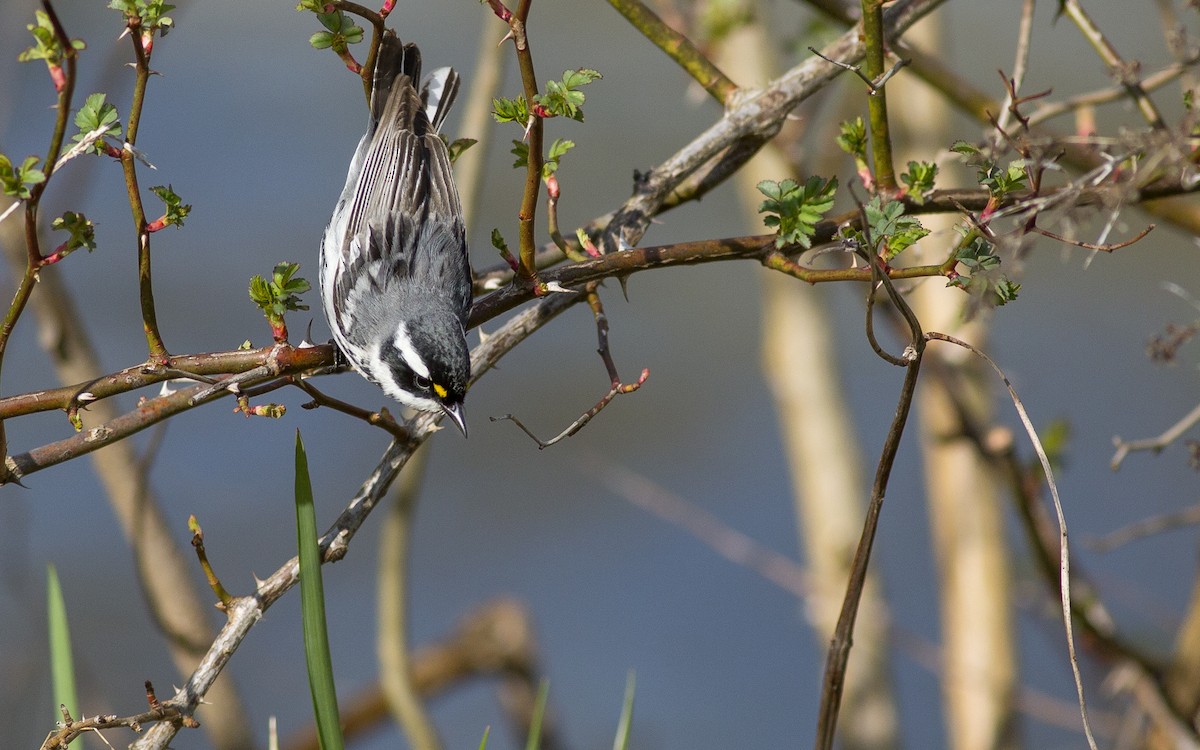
(395,276)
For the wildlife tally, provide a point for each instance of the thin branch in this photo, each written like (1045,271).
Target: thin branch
(1125,73)
(1064,550)
(1020,63)
(1156,444)
(141,66)
(883,172)
(677,47)
(756,117)
(616,388)
(1146,527)
(1105,248)
(839,647)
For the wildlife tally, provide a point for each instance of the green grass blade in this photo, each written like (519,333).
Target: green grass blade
(312,608)
(535,720)
(62,665)
(483,742)
(621,741)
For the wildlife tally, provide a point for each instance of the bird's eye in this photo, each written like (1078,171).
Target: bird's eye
(422,382)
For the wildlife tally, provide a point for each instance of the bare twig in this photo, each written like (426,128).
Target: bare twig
(617,387)
(839,647)
(678,47)
(1156,444)
(1064,551)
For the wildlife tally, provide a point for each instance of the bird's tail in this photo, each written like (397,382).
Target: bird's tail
(399,64)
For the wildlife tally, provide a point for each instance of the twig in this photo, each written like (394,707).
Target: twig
(678,47)
(1064,550)
(1104,248)
(874,86)
(1156,444)
(1125,73)
(223,596)
(1144,528)
(1020,62)
(141,66)
(616,386)
(839,646)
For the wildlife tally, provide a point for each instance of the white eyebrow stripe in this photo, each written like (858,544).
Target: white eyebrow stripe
(404,344)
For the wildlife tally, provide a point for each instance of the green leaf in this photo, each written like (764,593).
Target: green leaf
(520,150)
(920,178)
(891,228)
(177,210)
(342,31)
(281,294)
(796,209)
(151,14)
(97,114)
(853,137)
(625,724)
(534,740)
(557,149)
(16,181)
(47,45)
(511,110)
(312,608)
(966,149)
(62,663)
(563,98)
(459,145)
(82,231)
(1006,291)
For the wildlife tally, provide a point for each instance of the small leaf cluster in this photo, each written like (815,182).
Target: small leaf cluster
(919,180)
(151,15)
(16,181)
(550,164)
(563,98)
(341,30)
(978,256)
(1000,181)
(176,209)
(81,229)
(795,209)
(891,230)
(96,114)
(46,44)
(501,246)
(281,294)
(852,138)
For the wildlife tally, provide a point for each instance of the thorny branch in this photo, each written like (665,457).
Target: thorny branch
(245,611)
(258,371)
(616,386)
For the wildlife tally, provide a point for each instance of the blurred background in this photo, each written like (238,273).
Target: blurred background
(255,129)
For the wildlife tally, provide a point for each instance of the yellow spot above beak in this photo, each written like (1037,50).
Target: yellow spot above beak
(439,390)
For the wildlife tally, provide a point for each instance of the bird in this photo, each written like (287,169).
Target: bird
(394,267)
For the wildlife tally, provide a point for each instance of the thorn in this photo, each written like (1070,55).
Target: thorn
(166,389)
(624,281)
(554,286)
(86,397)
(506,37)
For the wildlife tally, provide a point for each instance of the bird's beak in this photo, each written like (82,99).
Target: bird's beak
(455,412)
